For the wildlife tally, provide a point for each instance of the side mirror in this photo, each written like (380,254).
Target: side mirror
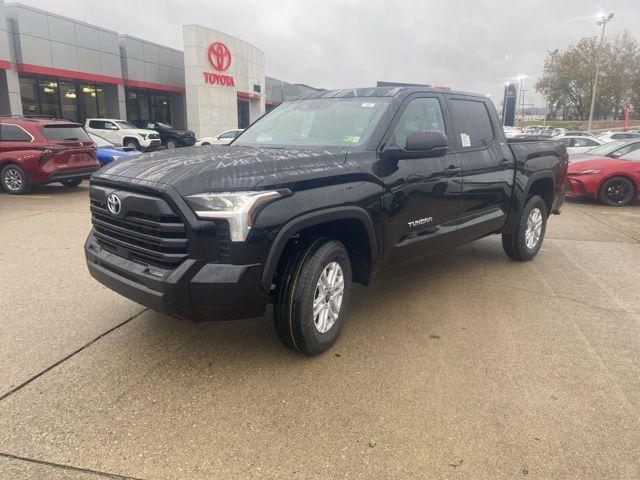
(615,155)
(421,144)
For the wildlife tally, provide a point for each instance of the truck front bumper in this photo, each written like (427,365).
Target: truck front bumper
(195,290)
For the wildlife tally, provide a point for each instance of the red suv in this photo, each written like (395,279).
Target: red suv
(36,151)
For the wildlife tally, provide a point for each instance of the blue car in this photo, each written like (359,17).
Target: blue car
(109,151)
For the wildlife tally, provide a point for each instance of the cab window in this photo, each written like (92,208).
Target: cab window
(473,124)
(421,114)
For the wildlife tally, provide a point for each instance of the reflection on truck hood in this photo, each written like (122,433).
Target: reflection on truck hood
(219,168)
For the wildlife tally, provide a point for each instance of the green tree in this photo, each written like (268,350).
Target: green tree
(572,74)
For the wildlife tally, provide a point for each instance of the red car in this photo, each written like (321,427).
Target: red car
(36,151)
(614,181)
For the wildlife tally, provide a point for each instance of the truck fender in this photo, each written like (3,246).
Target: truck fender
(519,198)
(309,220)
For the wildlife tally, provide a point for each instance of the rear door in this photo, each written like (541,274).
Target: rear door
(487,166)
(422,195)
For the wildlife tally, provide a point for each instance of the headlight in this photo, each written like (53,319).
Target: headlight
(589,172)
(235,207)
(143,135)
(115,157)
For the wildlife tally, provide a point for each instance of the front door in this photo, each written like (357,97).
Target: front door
(422,195)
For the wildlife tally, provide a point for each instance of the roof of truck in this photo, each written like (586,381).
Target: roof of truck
(381,92)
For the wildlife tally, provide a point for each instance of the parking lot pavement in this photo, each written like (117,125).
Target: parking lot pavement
(465,365)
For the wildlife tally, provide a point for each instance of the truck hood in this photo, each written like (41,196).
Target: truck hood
(222,168)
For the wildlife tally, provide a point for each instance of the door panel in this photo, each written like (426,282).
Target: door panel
(487,165)
(422,195)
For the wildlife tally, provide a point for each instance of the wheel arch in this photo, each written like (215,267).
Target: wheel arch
(542,184)
(336,222)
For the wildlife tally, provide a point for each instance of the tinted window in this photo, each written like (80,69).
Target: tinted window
(631,147)
(421,114)
(472,122)
(13,133)
(65,133)
(96,124)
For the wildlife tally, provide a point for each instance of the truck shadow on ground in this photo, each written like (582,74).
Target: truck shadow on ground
(412,301)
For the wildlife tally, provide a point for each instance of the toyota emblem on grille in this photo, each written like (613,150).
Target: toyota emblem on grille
(114,204)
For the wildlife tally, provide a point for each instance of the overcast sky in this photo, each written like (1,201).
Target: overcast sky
(474,45)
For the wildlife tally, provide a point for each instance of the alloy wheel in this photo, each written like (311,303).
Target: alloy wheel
(619,192)
(12,180)
(534,228)
(327,299)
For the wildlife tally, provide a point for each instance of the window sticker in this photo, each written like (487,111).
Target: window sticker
(368,105)
(465,139)
(350,139)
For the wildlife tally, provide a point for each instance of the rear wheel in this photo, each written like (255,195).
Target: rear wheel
(313,296)
(71,182)
(526,242)
(617,191)
(14,180)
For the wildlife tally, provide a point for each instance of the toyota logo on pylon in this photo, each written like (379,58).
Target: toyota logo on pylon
(219,56)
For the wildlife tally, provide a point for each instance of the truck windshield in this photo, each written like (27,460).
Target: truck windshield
(323,122)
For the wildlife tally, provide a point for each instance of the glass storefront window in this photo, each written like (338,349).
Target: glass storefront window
(89,104)
(69,101)
(49,99)
(102,108)
(29,95)
(147,105)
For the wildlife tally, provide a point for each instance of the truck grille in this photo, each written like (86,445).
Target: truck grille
(157,239)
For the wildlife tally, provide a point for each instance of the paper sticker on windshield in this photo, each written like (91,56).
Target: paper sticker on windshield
(368,105)
(465,139)
(350,139)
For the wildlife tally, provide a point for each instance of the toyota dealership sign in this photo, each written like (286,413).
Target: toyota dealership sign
(219,57)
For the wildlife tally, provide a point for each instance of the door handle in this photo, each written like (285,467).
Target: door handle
(452,171)
(505,163)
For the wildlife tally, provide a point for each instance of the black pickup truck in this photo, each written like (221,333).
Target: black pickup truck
(319,193)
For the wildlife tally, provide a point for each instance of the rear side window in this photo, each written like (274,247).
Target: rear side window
(473,124)
(13,133)
(585,142)
(99,124)
(65,133)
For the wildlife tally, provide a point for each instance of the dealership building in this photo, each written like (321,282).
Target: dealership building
(58,66)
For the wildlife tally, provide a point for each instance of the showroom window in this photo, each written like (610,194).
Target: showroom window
(148,105)
(62,98)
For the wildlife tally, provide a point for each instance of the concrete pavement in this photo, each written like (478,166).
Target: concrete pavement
(465,365)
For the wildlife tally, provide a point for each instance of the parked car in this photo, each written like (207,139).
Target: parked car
(607,137)
(576,133)
(578,145)
(613,181)
(38,151)
(123,133)
(294,212)
(224,138)
(109,152)
(170,136)
(615,149)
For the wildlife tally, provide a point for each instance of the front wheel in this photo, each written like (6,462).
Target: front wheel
(313,296)
(171,143)
(132,143)
(526,242)
(617,191)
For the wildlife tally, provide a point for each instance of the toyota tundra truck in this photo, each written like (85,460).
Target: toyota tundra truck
(320,193)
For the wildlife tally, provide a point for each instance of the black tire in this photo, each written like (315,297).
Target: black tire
(14,180)
(515,244)
(293,311)
(204,143)
(71,182)
(171,143)
(617,191)
(131,142)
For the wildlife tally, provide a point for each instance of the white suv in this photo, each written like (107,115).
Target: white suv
(123,133)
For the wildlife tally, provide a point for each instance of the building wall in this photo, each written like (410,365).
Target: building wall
(10,102)
(213,108)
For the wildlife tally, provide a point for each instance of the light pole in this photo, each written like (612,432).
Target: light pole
(602,21)
(553,57)
(521,100)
